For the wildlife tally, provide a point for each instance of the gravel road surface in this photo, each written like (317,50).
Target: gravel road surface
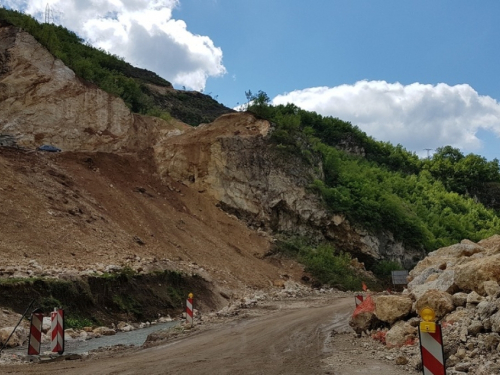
(297,337)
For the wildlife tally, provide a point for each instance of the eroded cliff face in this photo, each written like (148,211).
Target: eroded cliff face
(43,102)
(230,160)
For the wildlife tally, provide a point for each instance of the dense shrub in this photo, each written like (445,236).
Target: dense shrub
(324,263)
(423,203)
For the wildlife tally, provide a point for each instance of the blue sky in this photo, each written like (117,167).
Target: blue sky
(283,45)
(420,73)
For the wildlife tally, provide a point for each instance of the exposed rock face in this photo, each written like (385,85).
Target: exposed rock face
(43,102)
(233,161)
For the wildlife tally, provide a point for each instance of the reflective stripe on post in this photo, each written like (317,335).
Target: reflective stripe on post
(189,309)
(35,339)
(431,349)
(57,331)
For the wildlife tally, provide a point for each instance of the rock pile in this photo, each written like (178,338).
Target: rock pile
(461,284)
(32,268)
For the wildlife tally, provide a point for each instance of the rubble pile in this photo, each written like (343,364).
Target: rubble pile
(461,284)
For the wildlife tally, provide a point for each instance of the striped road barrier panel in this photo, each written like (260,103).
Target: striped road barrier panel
(358,299)
(35,339)
(431,349)
(57,331)
(189,309)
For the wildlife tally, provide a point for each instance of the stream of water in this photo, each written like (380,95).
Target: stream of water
(77,346)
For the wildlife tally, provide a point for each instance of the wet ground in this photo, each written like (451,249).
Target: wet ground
(77,346)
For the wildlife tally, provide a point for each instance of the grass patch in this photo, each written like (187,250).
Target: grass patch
(78,322)
(18,280)
(127,304)
(324,263)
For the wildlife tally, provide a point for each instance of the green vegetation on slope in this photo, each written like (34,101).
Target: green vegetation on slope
(424,203)
(325,264)
(98,300)
(114,75)
(109,72)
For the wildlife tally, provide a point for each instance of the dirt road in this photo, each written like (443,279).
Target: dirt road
(285,339)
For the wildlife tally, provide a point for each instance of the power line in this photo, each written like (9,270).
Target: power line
(49,14)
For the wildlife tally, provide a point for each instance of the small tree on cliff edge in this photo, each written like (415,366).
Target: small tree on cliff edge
(258,103)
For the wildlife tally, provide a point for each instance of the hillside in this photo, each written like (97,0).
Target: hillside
(158,193)
(233,199)
(142,91)
(92,210)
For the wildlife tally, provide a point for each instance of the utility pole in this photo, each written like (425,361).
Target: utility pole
(428,152)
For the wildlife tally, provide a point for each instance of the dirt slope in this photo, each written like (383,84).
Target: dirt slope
(72,212)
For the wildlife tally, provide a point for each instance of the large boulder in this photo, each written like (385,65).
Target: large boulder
(104,331)
(18,338)
(444,281)
(491,244)
(364,319)
(441,302)
(465,248)
(400,333)
(471,276)
(363,322)
(447,257)
(124,327)
(392,308)
(423,276)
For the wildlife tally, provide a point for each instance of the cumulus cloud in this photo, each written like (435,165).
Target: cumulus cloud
(417,116)
(143,32)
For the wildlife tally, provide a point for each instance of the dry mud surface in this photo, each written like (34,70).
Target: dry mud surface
(306,336)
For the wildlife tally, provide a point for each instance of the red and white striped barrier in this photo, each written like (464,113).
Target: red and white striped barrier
(431,349)
(189,309)
(57,331)
(35,339)
(358,299)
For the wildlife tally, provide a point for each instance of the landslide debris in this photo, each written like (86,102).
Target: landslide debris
(88,211)
(461,284)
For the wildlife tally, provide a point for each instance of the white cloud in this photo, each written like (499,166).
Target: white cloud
(417,116)
(143,32)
